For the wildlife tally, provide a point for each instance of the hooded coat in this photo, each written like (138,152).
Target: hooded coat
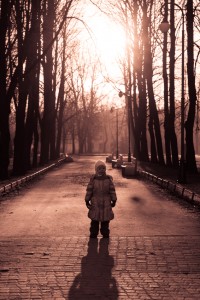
(100,192)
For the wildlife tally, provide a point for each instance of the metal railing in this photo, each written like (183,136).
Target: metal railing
(15,185)
(172,187)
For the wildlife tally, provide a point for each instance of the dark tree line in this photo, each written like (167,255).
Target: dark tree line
(142,18)
(30,31)
(39,71)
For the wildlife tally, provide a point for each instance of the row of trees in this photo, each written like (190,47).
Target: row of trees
(43,71)
(149,71)
(27,39)
(41,82)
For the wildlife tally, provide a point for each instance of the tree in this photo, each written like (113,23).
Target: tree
(140,109)
(172,134)
(32,118)
(166,94)
(23,33)
(189,124)
(154,124)
(4,103)
(61,97)
(48,119)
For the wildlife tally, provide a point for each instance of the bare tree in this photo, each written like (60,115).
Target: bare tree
(166,93)
(154,124)
(48,119)
(4,103)
(32,119)
(23,30)
(189,124)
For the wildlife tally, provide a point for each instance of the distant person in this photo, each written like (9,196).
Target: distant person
(100,198)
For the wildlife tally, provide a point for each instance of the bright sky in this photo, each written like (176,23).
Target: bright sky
(109,39)
(106,39)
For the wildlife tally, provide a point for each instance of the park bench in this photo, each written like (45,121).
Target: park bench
(109,158)
(129,169)
(116,163)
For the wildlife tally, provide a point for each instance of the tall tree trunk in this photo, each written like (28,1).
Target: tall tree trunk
(140,110)
(154,158)
(19,141)
(48,120)
(148,71)
(166,95)
(64,136)
(61,111)
(61,95)
(73,140)
(189,124)
(33,103)
(172,134)
(4,103)
(36,141)
(141,117)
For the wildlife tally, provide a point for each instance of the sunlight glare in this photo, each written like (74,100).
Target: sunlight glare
(109,39)
(104,42)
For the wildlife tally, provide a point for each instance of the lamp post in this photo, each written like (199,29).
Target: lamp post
(117,133)
(117,130)
(129,129)
(164,27)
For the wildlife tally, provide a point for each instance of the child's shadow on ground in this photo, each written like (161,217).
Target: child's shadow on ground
(95,280)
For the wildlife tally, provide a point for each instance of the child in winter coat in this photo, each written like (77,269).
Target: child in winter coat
(100,198)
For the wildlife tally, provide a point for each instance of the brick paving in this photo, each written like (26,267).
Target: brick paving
(146,257)
(159,267)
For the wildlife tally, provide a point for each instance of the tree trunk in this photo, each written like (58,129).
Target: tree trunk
(140,111)
(4,103)
(33,103)
(61,96)
(156,123)
(60,113)
(64,135)
(172,134)
(166,95)
(19,141)
(48,120)
(148,71)
(36,142)
(154,158)
(189,124)
(73,140)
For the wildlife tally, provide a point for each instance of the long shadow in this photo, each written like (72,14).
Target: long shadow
(95,280)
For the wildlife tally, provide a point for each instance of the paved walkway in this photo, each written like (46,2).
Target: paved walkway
(153,252)
(119,268)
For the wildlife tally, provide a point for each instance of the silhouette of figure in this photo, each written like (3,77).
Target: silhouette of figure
(95,280)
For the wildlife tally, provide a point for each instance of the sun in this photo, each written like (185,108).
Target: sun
(109,39)
(103,44)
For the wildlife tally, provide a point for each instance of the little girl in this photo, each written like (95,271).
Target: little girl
(100,198)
